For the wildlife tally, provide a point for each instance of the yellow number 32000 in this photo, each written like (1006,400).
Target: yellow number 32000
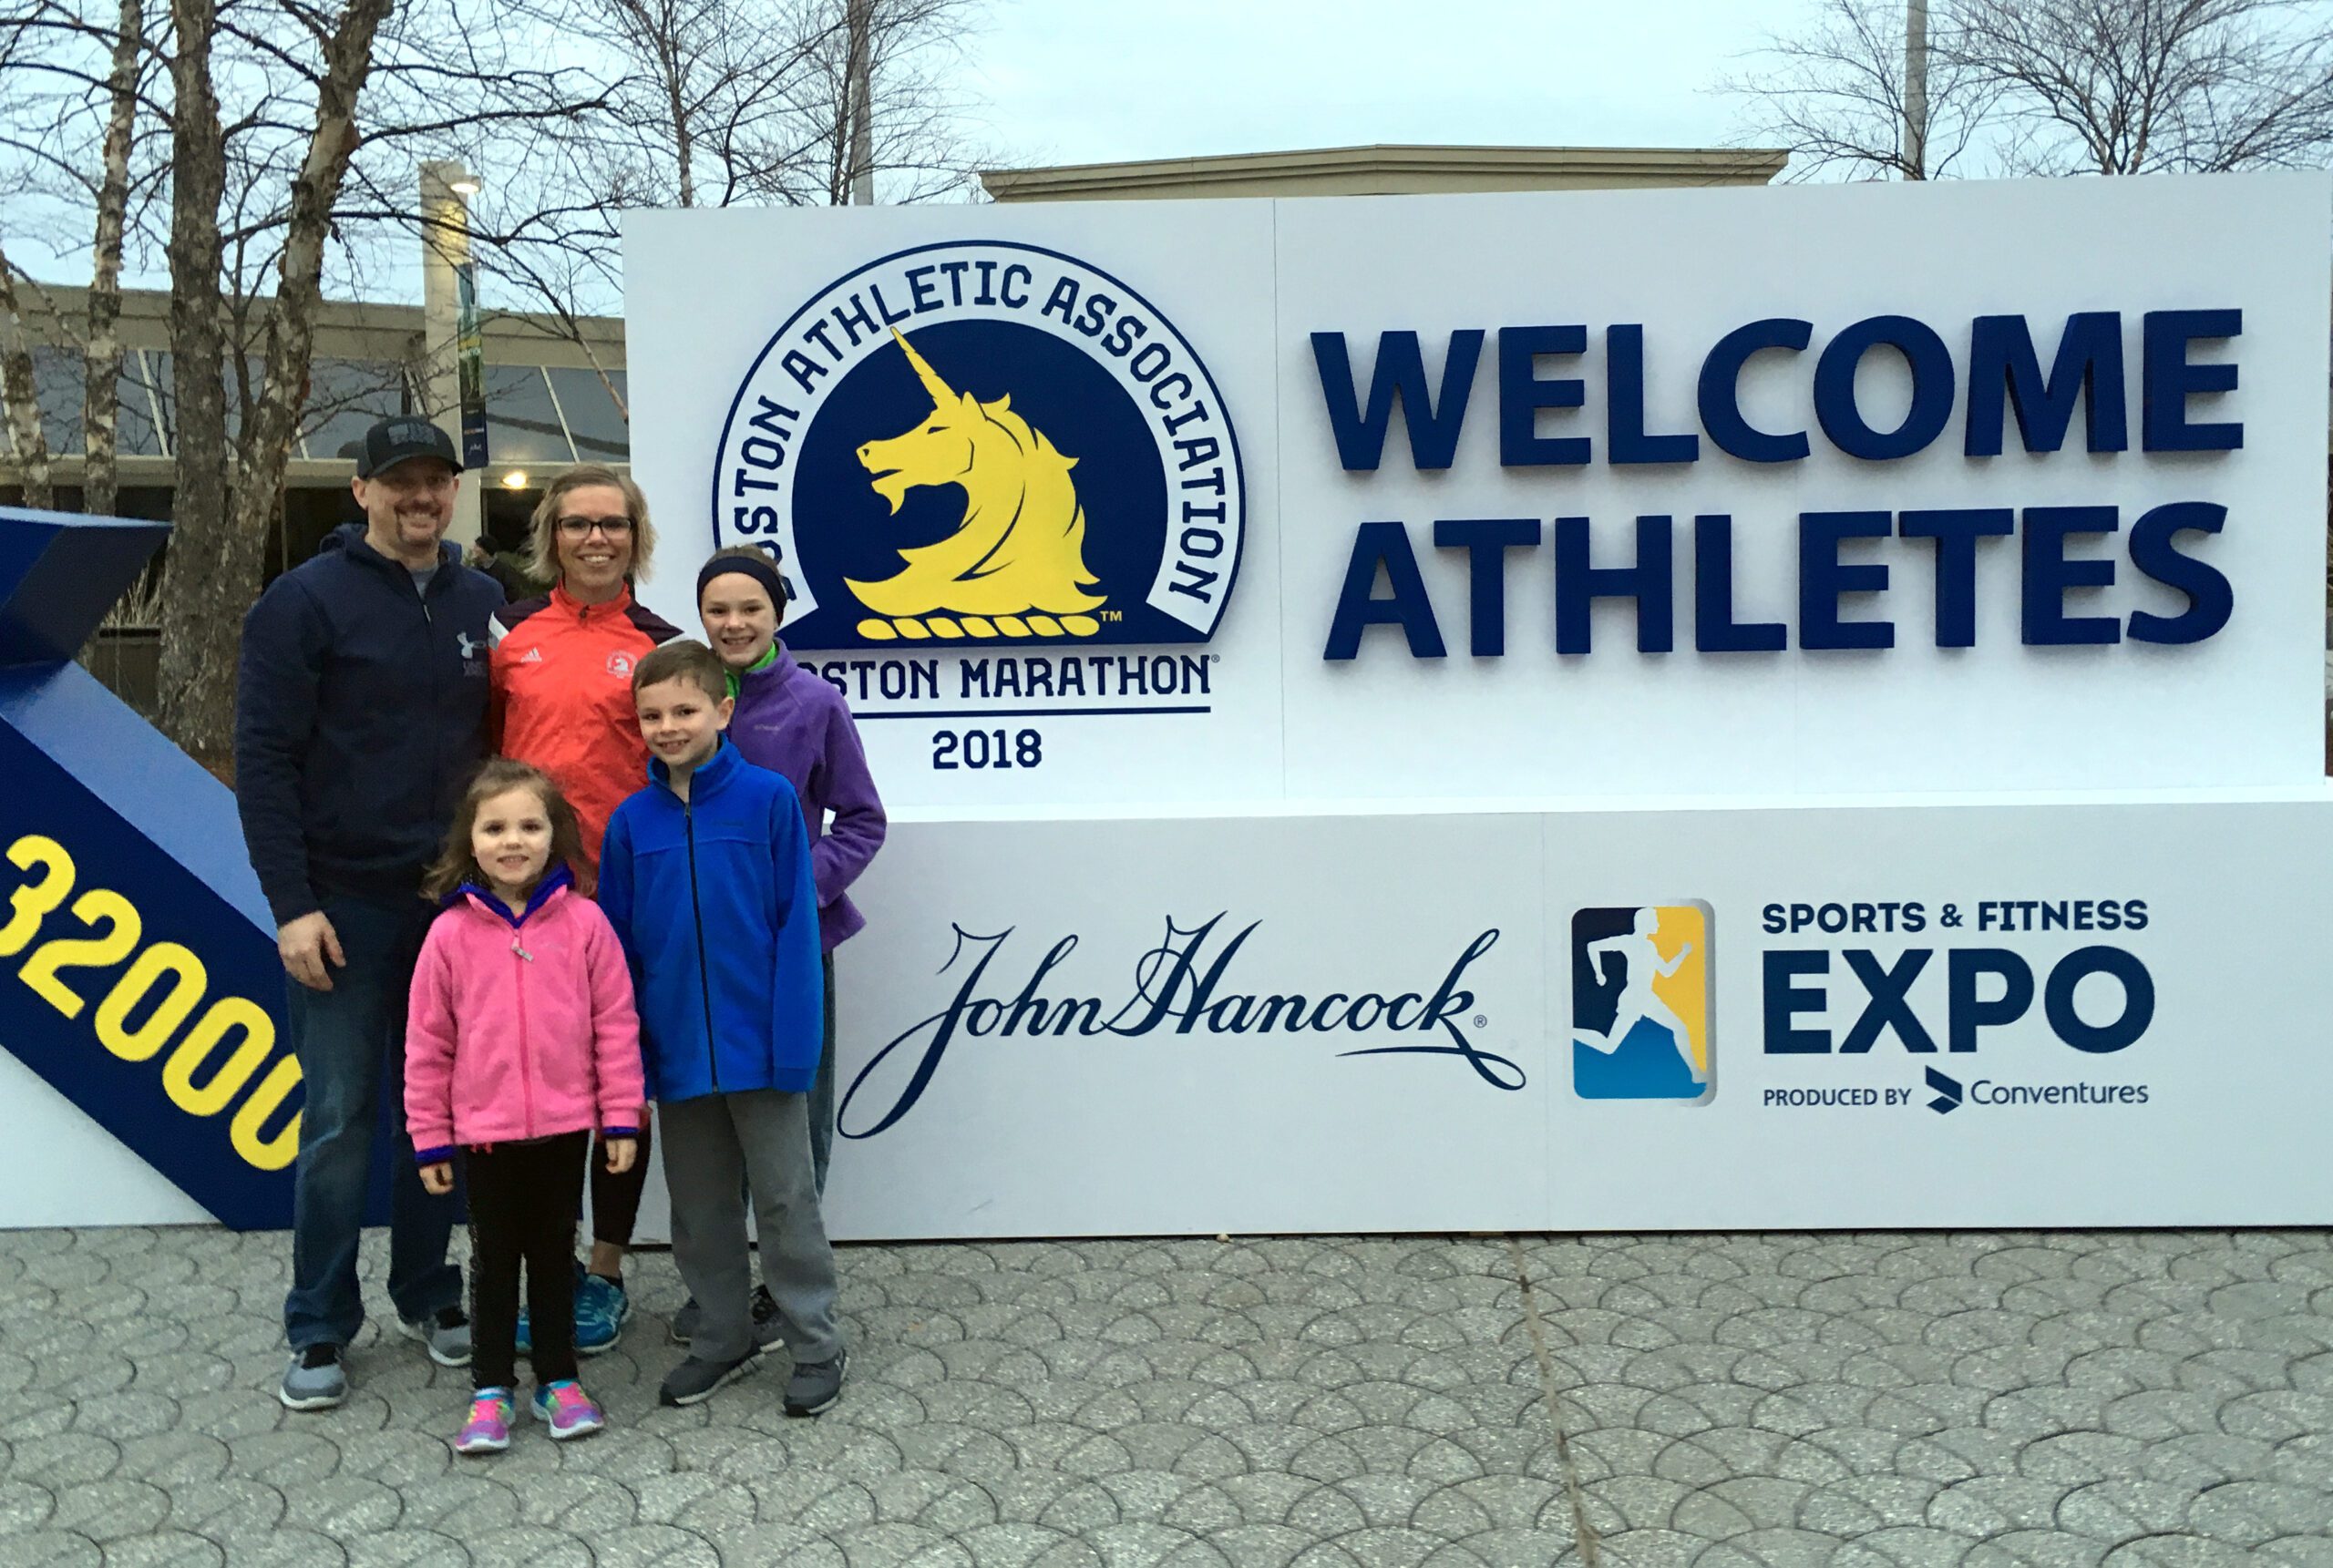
(119,928)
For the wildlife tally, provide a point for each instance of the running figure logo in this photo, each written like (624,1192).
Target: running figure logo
(1640,1003)
(1015,563)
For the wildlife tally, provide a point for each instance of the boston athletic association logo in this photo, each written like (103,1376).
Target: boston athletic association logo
(985,444)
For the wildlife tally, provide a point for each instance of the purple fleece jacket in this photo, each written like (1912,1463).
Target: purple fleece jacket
(791,721)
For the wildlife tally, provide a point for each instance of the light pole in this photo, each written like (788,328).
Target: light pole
(859,92)
(1915,89)
(446,190)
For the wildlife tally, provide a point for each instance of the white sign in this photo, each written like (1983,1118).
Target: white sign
(1239,599)
(1870,488)
(2097,1011)
(1996,1015)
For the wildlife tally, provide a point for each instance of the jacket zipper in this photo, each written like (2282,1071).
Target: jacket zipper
(437,740)
(704,981)
(526,1056)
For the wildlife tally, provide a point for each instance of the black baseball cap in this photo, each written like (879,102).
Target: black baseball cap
(392,441)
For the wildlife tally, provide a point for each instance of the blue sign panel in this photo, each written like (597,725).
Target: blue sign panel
(138,973)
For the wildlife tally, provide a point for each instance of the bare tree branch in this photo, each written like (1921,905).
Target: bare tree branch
(1835,96)
(2052,87)
(2142,86)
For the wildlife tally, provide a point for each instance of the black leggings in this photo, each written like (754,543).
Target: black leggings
(525,1199)
(615,1200)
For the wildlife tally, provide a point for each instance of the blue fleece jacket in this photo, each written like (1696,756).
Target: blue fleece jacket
(712,899)
(360,710)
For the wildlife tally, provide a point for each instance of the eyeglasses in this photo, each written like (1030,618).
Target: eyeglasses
(578,527)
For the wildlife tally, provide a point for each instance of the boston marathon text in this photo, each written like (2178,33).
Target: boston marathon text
(1998,382)
(1023,676)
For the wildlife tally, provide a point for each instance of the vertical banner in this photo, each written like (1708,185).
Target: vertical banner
(470,359)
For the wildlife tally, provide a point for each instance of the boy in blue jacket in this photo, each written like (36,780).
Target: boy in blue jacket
(705,876)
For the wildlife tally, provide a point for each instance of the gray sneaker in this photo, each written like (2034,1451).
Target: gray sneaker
(445,1335)
(767,1330)
(693,1381)
(816,1387)
(314,1381)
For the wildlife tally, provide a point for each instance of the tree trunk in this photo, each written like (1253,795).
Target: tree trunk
(273,421)
(100,408)
(219,547)
(212,575)
(17,394)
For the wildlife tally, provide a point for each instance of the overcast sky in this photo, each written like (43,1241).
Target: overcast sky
(1085,81)
(1090,81)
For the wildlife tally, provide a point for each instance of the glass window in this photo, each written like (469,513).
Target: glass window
(345,397)
(135,434)
(60,385)
(521,425)
(601,434)
(58,382)
(163,370)
(157,376)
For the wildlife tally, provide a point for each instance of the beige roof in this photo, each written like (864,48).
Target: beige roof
(1386,170)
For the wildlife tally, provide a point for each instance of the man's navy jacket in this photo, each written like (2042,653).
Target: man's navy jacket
(360,713)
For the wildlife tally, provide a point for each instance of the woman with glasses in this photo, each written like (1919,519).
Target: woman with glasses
(563,701)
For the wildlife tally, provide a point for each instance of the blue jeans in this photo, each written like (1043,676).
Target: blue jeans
(348,1039)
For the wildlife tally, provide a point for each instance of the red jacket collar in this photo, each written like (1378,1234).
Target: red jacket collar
(562,600)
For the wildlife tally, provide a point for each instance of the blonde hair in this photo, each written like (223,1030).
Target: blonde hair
(542,547)
(456,864)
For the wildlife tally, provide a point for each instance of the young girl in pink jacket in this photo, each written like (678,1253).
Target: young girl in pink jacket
(520,1041)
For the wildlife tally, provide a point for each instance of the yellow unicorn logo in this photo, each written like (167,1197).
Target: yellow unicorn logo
(1015,565)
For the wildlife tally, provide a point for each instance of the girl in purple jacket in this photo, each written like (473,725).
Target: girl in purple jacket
(521,1040)
(791,721)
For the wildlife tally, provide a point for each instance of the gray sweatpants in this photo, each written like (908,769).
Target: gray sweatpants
(715,1147)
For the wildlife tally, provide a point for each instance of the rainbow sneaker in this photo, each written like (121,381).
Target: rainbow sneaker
(488,1432)
(567,1410)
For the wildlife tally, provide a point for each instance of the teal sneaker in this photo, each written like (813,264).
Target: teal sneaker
(601,1307)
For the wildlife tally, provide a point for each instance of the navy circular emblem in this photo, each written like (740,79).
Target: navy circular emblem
(982,444)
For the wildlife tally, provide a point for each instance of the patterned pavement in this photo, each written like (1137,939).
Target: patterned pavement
(1463,1402)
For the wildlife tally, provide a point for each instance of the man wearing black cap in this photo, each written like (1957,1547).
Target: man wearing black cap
(360,710)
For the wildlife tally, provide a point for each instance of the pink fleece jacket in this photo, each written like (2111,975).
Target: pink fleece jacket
(520,1028)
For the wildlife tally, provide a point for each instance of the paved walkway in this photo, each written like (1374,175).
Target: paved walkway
(1481,1402)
